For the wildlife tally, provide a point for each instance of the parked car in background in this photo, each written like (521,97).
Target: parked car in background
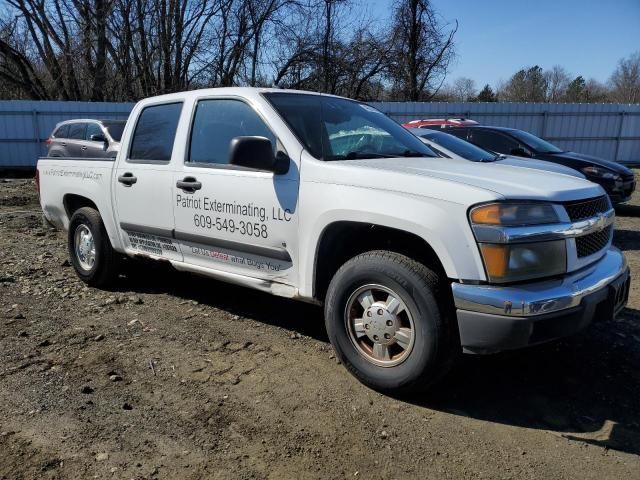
(616,179)
(86,138)
(439,123)
(450,146)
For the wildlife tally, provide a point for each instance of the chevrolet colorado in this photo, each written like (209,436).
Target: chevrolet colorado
(324,199)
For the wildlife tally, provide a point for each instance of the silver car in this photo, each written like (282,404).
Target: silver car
(450,146)
(86,138)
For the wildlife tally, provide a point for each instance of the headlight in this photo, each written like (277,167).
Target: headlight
(524,261)
(512,262)
(513,214)
(600,173)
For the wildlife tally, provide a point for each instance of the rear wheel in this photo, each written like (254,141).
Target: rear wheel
(90,250)
(385,324)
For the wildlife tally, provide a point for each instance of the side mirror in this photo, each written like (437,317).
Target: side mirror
(520,152)
(98,137)
(257,152)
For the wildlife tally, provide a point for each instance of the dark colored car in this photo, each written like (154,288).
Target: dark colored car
(617,180)
(86,138)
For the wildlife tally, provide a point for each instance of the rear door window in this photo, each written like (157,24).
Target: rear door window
(155,133)
(61,132)
(76,131)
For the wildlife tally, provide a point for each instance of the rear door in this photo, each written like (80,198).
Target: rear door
(143,188)
(233,219)
(75,139)
(58,144)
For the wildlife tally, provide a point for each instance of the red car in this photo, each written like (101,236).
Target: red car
(439,122)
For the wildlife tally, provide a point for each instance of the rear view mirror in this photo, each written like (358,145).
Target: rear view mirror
(520,152)
(257,152)
(98,137)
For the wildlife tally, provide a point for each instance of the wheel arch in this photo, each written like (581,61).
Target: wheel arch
(72,202)
(343,240)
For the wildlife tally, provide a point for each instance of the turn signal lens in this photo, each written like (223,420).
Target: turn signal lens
(487,214)
(496,259)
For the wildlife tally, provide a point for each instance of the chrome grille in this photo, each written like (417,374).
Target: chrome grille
(594,242)
(587,208)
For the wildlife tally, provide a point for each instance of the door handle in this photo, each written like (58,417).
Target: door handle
(189,184)
(64,144)
(84,147)
(127,179)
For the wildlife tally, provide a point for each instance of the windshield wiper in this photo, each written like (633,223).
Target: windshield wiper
(359,156)
(411,153)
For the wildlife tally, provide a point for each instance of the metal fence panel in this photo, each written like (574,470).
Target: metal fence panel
(25,125)
(610,131)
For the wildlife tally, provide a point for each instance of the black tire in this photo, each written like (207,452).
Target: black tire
(436,342)
(104,270)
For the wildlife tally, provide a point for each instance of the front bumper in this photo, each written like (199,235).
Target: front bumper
(494,318)
(619,191)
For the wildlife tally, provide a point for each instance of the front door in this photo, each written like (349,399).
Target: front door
(232,219)
(94,148)
(143,188)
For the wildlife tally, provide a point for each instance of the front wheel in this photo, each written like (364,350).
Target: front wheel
(91,253)
(385,324)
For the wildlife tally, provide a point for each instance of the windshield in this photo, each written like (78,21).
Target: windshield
(115,129)
(460,147)
(539,145)
(339,129)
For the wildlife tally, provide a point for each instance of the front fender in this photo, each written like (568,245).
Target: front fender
(442,224)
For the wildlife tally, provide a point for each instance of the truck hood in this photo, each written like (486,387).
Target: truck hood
(507,181)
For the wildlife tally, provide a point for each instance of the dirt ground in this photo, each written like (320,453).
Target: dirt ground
(175,376)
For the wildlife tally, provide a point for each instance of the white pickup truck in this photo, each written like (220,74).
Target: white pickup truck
(324,199)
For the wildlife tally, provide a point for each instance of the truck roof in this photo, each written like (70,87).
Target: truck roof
(241,91)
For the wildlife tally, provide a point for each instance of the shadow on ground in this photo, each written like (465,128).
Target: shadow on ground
(626,239)
(584,388)
(152,277)
(627,210)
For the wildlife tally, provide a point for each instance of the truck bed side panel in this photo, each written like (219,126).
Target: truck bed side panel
(88,178)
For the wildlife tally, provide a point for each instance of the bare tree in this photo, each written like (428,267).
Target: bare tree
(423,49)
(17,72)
(463,89)
(557,79)
(625,81)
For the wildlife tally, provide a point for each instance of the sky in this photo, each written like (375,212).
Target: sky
(496,38)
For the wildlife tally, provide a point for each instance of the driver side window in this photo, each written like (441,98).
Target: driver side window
(216,123)
(493,141)
(92,129)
